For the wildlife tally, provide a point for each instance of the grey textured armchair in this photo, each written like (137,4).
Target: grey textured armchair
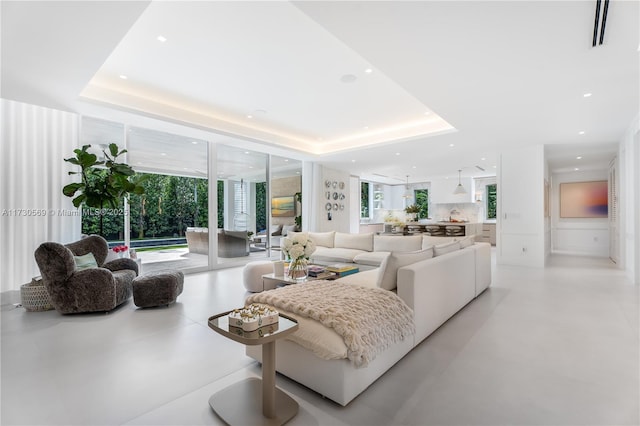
(89,290)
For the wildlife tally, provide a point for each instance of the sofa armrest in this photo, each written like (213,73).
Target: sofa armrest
(437,288)
(88,290)
(120,264)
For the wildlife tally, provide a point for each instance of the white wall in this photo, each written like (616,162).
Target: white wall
(35,141)
(578,236)
(629,162)
(340,219)
(520,227)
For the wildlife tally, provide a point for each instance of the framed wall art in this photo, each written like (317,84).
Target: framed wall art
(584,199)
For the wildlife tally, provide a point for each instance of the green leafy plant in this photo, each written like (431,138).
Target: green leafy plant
(103,184)
(414,208)
(298,219)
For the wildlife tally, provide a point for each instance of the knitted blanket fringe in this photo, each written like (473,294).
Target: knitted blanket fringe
(368,319)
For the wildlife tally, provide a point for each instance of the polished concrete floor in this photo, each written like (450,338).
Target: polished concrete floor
(553,346)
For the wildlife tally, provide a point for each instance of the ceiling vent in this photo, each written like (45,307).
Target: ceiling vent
(600,22)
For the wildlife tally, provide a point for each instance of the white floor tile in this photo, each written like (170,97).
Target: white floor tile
(549,346)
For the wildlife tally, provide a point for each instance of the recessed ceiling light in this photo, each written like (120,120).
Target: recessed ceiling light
(483,158)
(163,153)
(297,173)
(587,95)
(365,127)
(286,160)
(249,116)
(495,167)
(397,153)
(579,157)
(161,38)
(124,77)
(414,167)
(194,142)
(251,167)
(451,145)
(353,161)
(348,78)
(581,132)
(246,152)
(427,113)
(368,70)
(576,169)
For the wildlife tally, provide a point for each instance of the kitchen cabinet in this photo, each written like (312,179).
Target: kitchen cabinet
(488,233)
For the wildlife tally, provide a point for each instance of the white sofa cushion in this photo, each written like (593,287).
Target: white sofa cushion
(362,242)
(428,241)
(397,243)
(389,268)
(368,278)
(441,249)
(342,255)
(467,241)
(324,239)
(372,258)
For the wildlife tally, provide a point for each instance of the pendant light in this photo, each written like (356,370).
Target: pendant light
(240,219)
(459,189)
(407,191)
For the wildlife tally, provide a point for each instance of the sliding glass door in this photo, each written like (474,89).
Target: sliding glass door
(168,223)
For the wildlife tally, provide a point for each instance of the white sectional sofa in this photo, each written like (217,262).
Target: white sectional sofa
(368,249)
(435,288)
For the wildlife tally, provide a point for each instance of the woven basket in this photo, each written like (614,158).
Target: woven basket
(35,297)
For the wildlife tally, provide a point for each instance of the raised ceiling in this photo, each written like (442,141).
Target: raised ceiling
(451,84)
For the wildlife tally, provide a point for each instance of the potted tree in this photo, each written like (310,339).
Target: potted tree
(103,184)
(412,212)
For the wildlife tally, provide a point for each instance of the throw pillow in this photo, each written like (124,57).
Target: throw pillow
(388,278)
(324,239)
(467,241)
(446,248)
(86,261)
(277,230)
(286,229)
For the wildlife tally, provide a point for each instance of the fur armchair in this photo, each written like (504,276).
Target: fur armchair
(95,289)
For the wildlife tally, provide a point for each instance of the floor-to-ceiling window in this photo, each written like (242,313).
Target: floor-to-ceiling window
(169,221)
(167,224)
(242,192)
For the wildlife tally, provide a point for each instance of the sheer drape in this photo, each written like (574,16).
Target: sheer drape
(35,141)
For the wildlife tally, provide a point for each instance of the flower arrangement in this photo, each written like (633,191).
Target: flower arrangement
(121,250)
(298,247)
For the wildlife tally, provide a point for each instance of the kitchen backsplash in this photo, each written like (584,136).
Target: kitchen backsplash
(471,212)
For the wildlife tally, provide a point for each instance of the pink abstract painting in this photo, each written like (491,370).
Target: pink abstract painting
(584,199)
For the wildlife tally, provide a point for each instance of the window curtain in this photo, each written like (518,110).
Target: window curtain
(35,141)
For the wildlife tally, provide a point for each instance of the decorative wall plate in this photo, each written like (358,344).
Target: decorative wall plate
(327,206)
(327,183)
(341,206)
(328,195)
(335,195)
(341,185)
(342,196)
(335,206)
(334,184)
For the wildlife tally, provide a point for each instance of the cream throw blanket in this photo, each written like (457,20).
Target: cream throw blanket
(368,319)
